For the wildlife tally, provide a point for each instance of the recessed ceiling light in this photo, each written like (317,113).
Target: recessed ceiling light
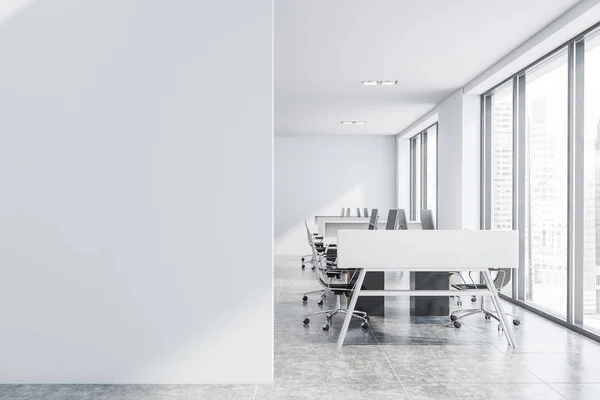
(369,83)
(387,83)
(353,122)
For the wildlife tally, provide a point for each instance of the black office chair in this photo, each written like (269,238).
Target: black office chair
(322,248)
(373,219)
(503,276)
(337,281)
(428,224)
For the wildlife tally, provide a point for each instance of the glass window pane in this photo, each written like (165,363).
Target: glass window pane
(546,185)
(501,162)
(591,188)
(417,177)
(432,170)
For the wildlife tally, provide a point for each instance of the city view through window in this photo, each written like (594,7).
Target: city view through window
(546,180)
(591,233)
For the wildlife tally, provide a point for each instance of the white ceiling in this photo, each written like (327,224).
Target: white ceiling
(323,48)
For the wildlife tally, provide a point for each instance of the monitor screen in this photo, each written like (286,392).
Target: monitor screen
(392,220)
(402,224)
(373,220)
(427,220)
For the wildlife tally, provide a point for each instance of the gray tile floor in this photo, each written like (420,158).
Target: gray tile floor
(398,357)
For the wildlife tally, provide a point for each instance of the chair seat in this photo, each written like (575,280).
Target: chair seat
(469,286)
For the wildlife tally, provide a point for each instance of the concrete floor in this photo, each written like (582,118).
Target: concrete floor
(398,357)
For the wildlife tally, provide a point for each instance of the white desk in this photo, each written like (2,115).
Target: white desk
(424,251)
(328,227)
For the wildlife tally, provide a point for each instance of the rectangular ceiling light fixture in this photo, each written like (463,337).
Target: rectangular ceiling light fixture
(382,83)
(353,122)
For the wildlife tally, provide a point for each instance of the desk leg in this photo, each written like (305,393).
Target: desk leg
(351,306)
(496,300)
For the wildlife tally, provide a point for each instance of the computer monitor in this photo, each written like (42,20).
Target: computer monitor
(373,220)
(402,223)
(392,219)
(427,220)
(358,212)
(366,212)
(343,210)
(347,212)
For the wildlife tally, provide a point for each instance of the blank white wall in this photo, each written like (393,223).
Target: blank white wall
(449,205)
(320,175)
(124,145)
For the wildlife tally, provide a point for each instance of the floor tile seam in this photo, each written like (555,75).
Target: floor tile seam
(519,363)
(390,364)
(555,390)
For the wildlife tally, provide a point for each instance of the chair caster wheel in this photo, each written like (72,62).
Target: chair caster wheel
(303,266)
(457,324)
(487,317)
(326,327)
(320,302)
(304,298)
(459,303)
(473,299)
(365,325)
(367,318)
(306,321)
(313,267)
(302,259)
(453,317)
(516,322)
(500,329)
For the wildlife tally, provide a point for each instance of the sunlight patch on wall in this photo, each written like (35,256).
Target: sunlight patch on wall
(10,8)
(294,242)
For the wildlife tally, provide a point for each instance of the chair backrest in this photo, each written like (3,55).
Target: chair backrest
(366,212)
(373,219)
(343,212)
(311,242)
(347,212)
(402,224)
(392,220)
(427,220)
(503,278)
(358,212)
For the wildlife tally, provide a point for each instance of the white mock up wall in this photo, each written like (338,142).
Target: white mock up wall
(318,175)
(124,147)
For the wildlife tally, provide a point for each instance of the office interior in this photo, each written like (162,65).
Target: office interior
(510,146)
(328,200)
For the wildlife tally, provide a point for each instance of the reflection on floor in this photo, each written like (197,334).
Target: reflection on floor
(398,357)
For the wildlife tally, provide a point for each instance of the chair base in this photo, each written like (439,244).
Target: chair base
(329,314)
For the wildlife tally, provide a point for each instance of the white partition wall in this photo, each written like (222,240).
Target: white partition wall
(126,145)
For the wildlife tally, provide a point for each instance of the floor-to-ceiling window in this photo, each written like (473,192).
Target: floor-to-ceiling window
(591,184)
(423,186)
(546,186)
(500,109)
(431,169)
(541,176)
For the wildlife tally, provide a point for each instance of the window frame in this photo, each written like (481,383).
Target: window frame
(420,196)
(575,48)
